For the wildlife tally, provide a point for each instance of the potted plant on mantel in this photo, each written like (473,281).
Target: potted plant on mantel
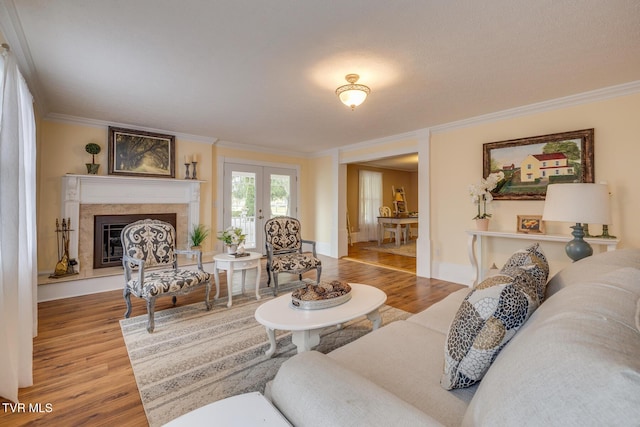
(93,149)
(197,236)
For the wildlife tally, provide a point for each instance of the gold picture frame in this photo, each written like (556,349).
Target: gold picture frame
(138,153)
(530,224)
(530,164)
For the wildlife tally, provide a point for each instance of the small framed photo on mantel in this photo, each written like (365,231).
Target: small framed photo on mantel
(530,224)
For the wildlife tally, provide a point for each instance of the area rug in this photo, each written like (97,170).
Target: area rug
(408,249)
(195,357)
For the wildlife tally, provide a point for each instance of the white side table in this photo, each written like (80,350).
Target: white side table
(231,264)
(249,409)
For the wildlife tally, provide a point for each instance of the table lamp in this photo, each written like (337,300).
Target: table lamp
(580,203)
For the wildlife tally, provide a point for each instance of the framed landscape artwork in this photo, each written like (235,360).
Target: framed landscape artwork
(138,153)
(530,164)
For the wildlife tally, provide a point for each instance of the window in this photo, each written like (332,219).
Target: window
(370,201)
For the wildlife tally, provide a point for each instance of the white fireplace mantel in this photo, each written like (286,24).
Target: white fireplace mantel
(101,189)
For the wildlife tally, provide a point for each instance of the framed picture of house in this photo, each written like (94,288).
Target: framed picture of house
(138,153)
(530,164)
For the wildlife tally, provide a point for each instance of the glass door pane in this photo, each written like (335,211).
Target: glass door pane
(280,195)
(242,199)
(243,206)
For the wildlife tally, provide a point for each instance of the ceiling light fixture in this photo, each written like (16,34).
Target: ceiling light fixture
(352,94)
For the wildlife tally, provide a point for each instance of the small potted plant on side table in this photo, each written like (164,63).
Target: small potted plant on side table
(232,237)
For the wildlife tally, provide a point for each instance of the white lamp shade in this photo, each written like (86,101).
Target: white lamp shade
(580,203)
(353,98)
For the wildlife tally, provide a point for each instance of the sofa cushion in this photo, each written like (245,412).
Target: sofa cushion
(593,266)
(338,397)
(406,359)
(485,322)
(574,363)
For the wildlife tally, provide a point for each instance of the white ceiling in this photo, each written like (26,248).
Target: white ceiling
(263,73)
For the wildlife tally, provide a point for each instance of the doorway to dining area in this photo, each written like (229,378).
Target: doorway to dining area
(363,206)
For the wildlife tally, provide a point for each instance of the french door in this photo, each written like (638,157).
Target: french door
(253,194)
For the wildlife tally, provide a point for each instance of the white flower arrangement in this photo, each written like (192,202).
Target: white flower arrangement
(481,193)
(232,236)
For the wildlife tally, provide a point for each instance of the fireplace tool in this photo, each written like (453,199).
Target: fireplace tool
(65,265)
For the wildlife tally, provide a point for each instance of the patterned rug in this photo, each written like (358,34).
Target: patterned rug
(195,357)
(408,249)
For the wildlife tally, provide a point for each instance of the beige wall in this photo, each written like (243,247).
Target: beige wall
(61,151)
(456,162)
(321,197)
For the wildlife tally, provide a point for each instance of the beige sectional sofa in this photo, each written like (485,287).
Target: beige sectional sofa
(575,362)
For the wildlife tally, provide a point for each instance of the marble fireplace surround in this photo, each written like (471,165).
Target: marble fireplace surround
(87,195)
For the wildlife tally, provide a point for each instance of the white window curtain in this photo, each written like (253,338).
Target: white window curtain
(18,257)
(370,202)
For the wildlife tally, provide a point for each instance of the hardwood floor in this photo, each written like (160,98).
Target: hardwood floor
(81,368)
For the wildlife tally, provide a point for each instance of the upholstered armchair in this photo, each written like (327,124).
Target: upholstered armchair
(284,250)
(151,266)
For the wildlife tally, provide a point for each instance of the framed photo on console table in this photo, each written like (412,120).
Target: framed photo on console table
(531,224)
(138,153)
(530,164)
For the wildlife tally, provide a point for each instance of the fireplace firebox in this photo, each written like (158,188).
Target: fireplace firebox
(107,247)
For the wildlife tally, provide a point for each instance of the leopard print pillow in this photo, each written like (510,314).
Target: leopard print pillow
(486,321)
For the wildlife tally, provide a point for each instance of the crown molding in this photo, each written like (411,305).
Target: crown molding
(63,118)
(544,106)
(265,150)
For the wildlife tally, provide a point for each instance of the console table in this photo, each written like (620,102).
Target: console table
(475,251)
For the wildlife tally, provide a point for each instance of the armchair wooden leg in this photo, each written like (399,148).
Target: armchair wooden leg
(151,305)
(206,295)
(127,300)
(269,272)
(275,284)
(318,273)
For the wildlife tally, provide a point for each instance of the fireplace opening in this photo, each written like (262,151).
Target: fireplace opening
(107,246)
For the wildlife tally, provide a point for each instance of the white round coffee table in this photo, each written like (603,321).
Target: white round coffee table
(306,325)
(231,264)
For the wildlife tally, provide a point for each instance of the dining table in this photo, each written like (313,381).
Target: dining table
(398,221)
